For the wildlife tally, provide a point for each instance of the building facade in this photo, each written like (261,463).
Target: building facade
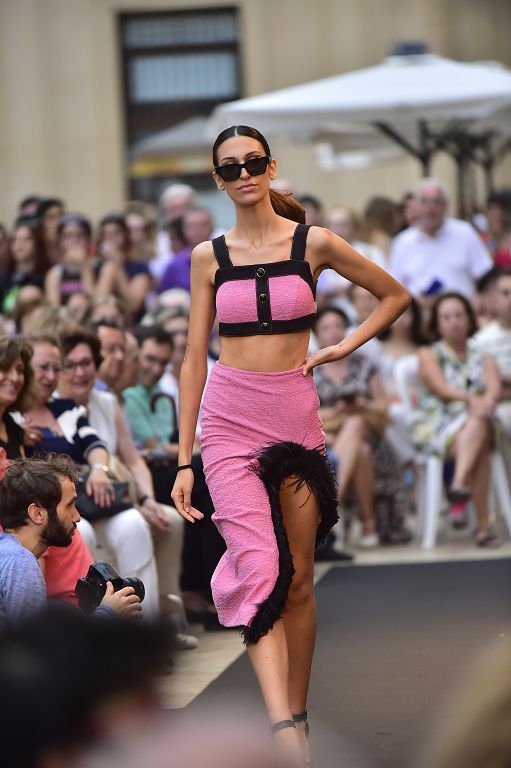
(84,81)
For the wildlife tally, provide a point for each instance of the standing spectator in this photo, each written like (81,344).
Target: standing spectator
(381,222)
(23,277)
(197,227)
(455,414)
(119,270)
(438,254)
(74,271)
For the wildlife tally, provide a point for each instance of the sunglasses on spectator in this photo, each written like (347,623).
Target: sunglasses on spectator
(232,171)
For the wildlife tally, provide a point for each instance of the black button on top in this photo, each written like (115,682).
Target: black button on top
(263,297)
(260,272)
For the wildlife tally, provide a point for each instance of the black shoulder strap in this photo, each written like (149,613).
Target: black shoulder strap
(221,252)
(299,242)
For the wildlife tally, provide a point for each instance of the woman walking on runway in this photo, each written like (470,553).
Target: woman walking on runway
(262,443)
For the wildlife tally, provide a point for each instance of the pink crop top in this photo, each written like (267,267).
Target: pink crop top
(278,297)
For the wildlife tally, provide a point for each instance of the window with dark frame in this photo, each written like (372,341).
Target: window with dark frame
(176,65)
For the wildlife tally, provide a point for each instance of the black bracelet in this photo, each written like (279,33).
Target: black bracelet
(185,466)
(144,498)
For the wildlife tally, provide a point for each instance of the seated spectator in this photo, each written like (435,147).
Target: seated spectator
(353,409)
(456,412)
(74,271)
(381,223)
(495,340)
(197,227)
(107,308)
(498,235)
(59,425)
(37,510)
(152,418)
(112,339)
(17,393)
(4,246)
(363,302)
(402,339)
(28,206)
(119,271)
(175,322)
(484,300)
(128,534)
(49,213)
(409,211)
(26,268)
(78,307)
(175,200)
(313,208)
(141,221)
(341,221)
(151,414)
(45,319)
(438,253)
(130,369)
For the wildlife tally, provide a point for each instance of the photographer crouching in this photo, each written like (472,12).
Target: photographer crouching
(37,510)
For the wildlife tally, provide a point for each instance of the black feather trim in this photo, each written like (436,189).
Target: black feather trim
(311,468)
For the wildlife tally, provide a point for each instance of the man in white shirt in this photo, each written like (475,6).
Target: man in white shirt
(439,253)
(495,339)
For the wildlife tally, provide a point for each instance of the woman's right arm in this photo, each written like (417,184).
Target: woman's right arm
(433,379)
(194,369)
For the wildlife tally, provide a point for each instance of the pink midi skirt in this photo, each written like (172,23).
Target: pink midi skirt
(258,429)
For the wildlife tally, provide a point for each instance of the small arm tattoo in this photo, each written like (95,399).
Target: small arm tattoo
(185,358)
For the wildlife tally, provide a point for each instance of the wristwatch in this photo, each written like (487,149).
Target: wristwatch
(104,467)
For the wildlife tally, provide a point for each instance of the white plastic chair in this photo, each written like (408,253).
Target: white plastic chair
(429,483)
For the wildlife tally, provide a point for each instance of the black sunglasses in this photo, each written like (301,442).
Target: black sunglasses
(255,167)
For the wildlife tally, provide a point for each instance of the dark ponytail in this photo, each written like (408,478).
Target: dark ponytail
(284,205)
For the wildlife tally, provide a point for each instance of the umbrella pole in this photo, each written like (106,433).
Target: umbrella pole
(423,154)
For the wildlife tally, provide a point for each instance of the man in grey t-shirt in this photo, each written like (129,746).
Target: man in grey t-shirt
(37,510)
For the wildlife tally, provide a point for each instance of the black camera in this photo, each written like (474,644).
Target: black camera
(91,590)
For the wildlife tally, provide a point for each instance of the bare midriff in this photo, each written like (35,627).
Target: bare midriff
(270,354)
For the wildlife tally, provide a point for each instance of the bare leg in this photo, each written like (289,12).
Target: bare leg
(347,446)
(363,486)
(282,659)
(479,480)
(300,514)
(467,448)
(269,657)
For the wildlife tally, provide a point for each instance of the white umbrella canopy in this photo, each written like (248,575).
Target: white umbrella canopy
(401,91)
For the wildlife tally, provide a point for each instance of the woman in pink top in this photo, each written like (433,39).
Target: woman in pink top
(262,441)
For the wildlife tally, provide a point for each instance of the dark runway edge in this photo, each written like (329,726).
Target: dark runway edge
(394,642)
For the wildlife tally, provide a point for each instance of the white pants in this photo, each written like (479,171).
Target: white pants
(151,555)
